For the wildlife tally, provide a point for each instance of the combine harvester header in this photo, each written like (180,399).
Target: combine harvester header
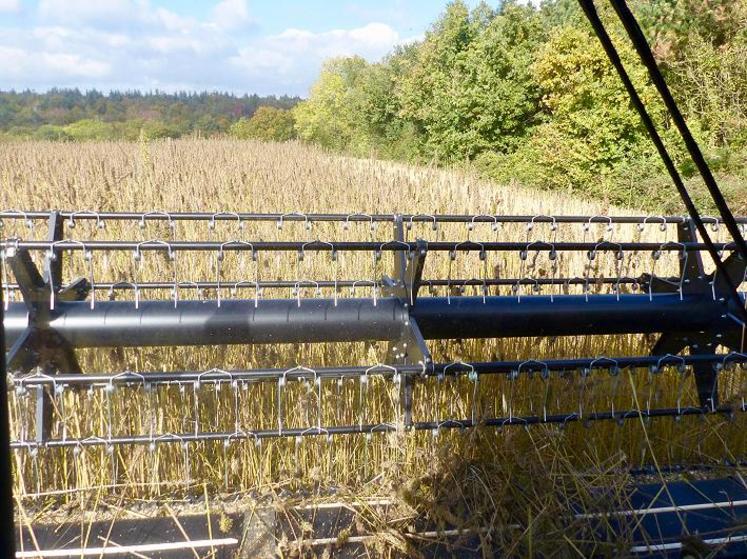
(690,308)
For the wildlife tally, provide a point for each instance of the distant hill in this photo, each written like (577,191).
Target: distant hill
(72,114)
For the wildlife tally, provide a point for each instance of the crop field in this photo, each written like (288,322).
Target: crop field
(486,477)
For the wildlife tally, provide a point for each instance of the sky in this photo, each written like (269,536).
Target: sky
(242,46)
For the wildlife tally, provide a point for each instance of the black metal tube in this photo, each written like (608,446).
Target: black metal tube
(158,323)
(7,526)
(566,315)
(162,323)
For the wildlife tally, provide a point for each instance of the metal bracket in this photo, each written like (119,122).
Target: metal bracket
(695,281)
(409,348)
(408,268)
(692,274)
(39,345)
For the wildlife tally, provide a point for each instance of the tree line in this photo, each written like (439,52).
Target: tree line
(69,114)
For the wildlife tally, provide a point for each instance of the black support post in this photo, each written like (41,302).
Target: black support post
(7,525)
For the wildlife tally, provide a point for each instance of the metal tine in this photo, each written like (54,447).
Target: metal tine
(714,221)
(612,366)
(163,437)
(211,223)
(318,384)
(88,255)
(474,378)
(302,250)
(219,257)
(381,368)
(512,376)
(619,257)
(384,427)
(157,213)
(523,276)
(455,248)
(436,431)
(138,252)
(517,287)
(495,224)
(307,221)
(299,284)
(529,363)
(300,281)
(133,285)
(236,397)
(459,363)
(100,223)
(51,255)
(531,223)
(655,257)
(619,254)
(544,374)
(215,374)
(25,216)
(187,283)
(108,391)
(346,222)
(482,254)
(653,377)
(608,229)
(362,282)
(434,221)
(335,288)
(282,380)
(137,256)
(662,223)
(590,257)
(524,253)
(22,390)
(258,290)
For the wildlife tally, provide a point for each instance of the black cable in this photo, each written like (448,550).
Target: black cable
(7,537)
(604,38)
(647,57)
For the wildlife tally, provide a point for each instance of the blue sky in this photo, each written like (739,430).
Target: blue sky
(244,46)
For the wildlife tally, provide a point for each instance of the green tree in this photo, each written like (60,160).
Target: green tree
(331,116)
(589,128)
(268,123)
(471,89)
(90,129)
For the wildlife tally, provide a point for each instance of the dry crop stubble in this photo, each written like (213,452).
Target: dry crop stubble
(490,466)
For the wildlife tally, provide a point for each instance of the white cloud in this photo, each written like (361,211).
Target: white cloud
(92,11)
(19,64)
(122,44)
(296,55)
(10,6)
(232,14)
(371,41)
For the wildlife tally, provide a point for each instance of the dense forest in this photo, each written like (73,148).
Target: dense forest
(528,94)
(69,114)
